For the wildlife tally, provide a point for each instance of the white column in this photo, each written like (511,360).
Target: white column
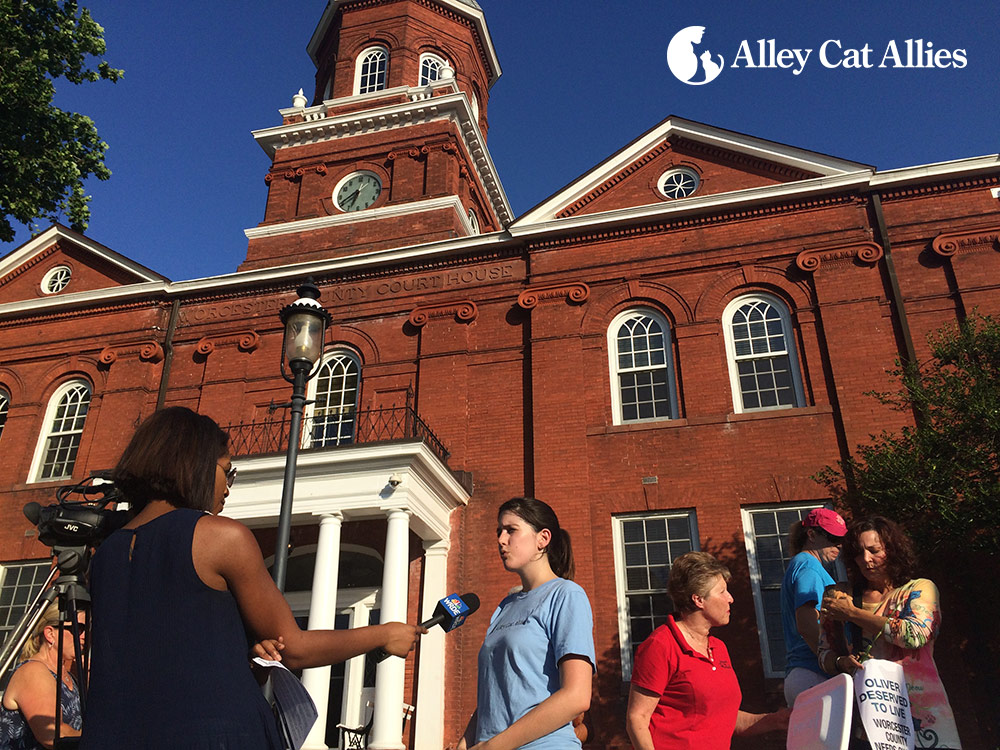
(430,671)
(322,616)
(387,731)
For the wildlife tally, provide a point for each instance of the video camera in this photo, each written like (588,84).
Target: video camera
(84,522)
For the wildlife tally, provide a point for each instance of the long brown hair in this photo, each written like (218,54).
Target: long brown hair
(900,557)
(172,457)
(538,516)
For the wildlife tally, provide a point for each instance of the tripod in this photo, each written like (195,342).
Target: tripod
(73,599)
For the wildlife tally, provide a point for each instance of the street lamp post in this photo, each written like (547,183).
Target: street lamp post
(305,323)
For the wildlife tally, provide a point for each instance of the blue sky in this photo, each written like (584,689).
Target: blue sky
(580,80)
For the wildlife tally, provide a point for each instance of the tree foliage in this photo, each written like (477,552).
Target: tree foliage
(940,477)
(46,153)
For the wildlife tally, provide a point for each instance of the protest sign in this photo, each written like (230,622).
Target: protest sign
(821,717)
(883,705)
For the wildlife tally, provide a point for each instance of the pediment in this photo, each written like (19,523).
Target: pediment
(721,163)
(91,266)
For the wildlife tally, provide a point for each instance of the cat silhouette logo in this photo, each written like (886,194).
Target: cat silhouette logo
(687,65)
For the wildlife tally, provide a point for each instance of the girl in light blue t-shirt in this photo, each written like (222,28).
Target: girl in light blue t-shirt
(537,660)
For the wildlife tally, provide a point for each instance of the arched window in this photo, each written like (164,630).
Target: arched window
(59,442)
(763,368)
(642,378)
(4,408)
(372,71)
(337,385)
(430,68)
(474,222)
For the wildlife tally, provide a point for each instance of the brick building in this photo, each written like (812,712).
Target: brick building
(666,351)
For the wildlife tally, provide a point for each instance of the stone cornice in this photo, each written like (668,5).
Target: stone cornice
(948,186)
(57,312)
(948,244)
(245,341)
(323,124)
(811,259)
(294,174)
(759,165)
(687,221)
(738,204)
(148,351)
(364,266)
(33,260)
(464,310)
(354,217)
(576,292)
(612,181)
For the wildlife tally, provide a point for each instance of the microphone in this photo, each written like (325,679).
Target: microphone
(449,613)
(33,512)
(452,611)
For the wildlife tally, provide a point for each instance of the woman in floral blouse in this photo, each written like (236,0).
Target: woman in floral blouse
(889,615)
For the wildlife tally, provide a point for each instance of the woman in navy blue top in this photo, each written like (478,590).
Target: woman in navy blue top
(175,594)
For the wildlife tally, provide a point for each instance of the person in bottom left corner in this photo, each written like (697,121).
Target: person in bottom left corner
(175,593)
(28,715)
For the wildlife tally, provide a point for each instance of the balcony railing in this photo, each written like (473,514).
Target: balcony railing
(335,430)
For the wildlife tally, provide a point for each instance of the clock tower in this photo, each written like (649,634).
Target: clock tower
(392,150)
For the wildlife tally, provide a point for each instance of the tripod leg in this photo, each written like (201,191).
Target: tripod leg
(20,634)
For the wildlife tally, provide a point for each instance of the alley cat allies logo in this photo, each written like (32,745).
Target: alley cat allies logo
(687,65)
(693,63)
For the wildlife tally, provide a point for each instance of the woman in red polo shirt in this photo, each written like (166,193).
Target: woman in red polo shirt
(684,691)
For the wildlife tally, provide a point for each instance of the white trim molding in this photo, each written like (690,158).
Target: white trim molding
(322,123)
(370,214)
(57,232)
(353,481)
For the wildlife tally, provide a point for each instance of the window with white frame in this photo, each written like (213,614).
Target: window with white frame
(763,367)
(4,408)
(331,419)
(645,547)
(642,379)
(56,279)
(62,429)
(680,182)
(431,66)
(21,583)
(765,530)
(474,222)
(372,70)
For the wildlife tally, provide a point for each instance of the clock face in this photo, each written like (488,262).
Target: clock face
(358,191)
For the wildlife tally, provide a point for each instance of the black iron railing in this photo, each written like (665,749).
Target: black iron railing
(325,431)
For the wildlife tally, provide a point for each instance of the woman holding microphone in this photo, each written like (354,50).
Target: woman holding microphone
(175,593)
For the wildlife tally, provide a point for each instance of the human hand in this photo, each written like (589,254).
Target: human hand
(848,664)
(269,648)
(401,638)
(838,606)
(778,721)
